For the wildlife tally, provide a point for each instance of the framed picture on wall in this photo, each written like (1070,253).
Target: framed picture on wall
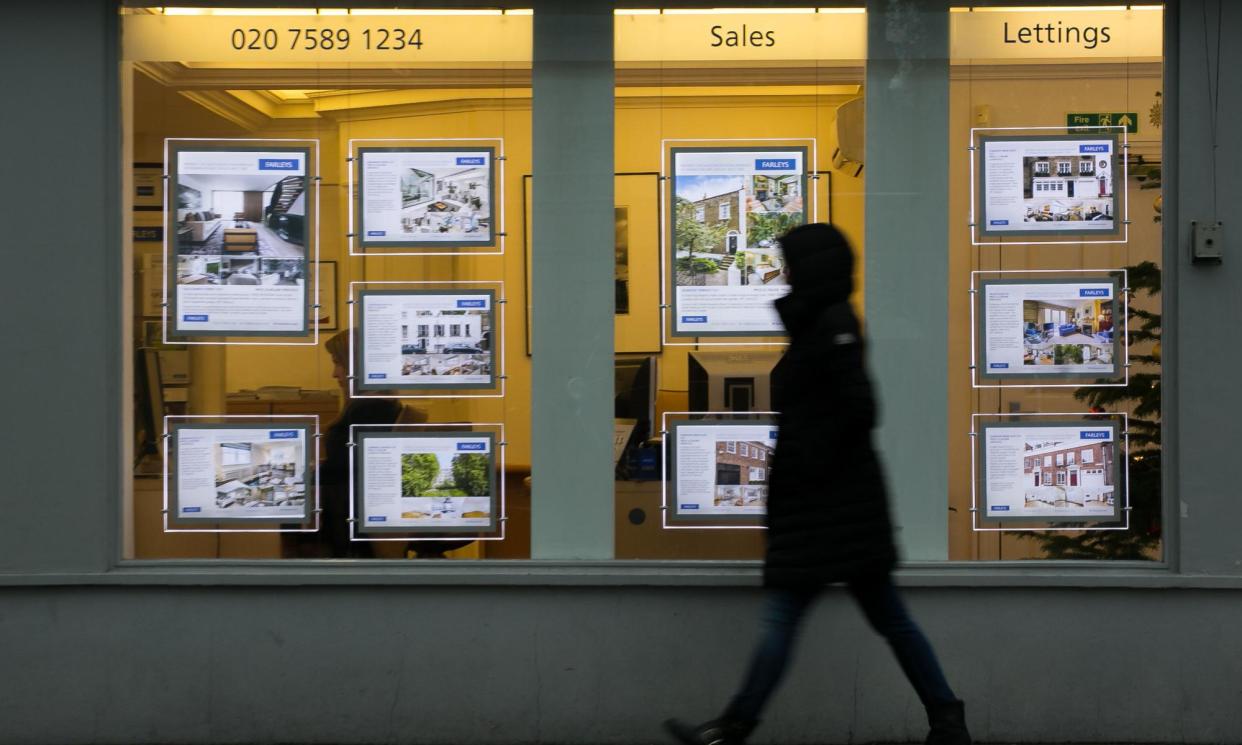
(148,194)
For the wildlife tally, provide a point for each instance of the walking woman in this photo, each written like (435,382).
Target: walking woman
(817,536)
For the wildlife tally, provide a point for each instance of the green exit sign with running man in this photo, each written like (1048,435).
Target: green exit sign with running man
(1129,120)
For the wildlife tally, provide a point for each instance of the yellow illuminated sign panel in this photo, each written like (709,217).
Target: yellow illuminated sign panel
(1037,33)
(745,37)
(324,39)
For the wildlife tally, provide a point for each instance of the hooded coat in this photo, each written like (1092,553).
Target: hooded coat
(828,518)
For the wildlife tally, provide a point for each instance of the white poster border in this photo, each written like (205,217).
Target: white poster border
(812,175)
(498,196)
(169,236)
(665,465)
(498,337)
(1123,291)
(1124,157)
(312,449)
(502,519)
(1126,508)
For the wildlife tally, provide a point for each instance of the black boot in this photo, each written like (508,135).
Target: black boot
(948,724)
(715,732)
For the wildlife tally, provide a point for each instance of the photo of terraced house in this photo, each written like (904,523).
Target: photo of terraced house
(742,470)
(1067,188)
(725,228)
(1068,476)
(445,343)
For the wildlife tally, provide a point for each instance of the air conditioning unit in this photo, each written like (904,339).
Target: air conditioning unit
(851,137)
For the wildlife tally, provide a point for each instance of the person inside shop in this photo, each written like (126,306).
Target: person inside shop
(331,541)
(818,537)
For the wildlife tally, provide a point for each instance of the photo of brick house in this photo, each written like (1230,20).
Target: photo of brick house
(742,470)
(1068,475)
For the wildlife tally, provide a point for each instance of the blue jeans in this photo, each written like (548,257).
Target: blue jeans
(783,611)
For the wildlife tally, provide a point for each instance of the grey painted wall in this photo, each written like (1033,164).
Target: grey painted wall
(561,665)
(572,283)
(907,260)
(1209,298)
(60,291)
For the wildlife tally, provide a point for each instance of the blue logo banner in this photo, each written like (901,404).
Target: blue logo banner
(191,509)
(376,519)
(1094,292)
(1000,508)
(283,434)
(1094,435)
(472,303)
(474,160)
(376,232)
(479,447)
(376,376)
(689,506)
(694,319)
(272,164)
(196,317)
(777,164)
(1094,148)
(998,365)
(998,222)
(771,434)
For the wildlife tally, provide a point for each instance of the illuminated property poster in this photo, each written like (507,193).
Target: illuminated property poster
(1051,185)
(240,224)
(728,207)
(422,340)
(426,482)
(720,469)
(1050,472)
(426,197)
(1069,329)
(240,473)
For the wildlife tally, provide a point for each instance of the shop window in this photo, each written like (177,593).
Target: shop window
(308,184)
(1068,251)
(722,145)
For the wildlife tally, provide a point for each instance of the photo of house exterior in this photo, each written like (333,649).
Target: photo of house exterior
(742,470)
(1067,188)
(1068,474)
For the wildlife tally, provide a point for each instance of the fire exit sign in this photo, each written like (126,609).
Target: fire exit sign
(1129,120)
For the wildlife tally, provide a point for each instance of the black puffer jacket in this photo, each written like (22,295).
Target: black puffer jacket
(828,515)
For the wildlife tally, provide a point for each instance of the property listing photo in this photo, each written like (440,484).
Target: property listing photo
(240,215)
(438,486)
(445,343)
(726,228)
(1073,331)
(233,270)
(253,475)
(1068,475)
(1067,188)
(453,201)
(742,470)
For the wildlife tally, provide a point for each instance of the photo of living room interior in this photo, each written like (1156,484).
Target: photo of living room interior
(233,270)
(1049,324)
(259,474)
(259,215)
